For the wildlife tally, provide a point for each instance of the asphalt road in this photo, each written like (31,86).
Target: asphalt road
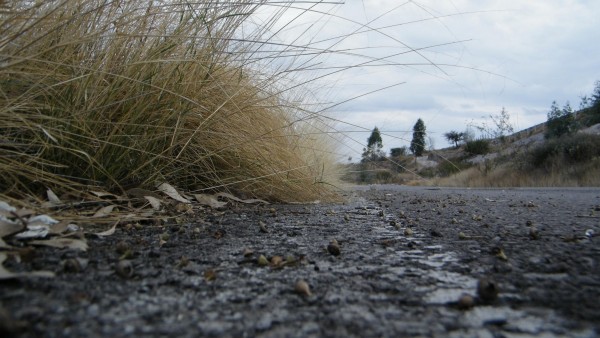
(410,263)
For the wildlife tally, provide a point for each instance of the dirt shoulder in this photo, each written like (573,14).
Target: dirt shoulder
(193,279)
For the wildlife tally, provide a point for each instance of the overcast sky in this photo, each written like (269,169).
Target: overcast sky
(450,63)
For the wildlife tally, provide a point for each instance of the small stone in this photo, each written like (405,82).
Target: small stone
(533,233)
(334,248)
(124,269)
(408,232)
(465,302)
(72,265)
(122,247)
(435,233)
(462,236)
(276,260)
(487,290)
(529,223)
(589,233)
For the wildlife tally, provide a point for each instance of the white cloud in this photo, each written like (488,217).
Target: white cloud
(522,55)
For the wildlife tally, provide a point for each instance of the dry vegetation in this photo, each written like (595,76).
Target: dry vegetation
(121,94)
(521,160)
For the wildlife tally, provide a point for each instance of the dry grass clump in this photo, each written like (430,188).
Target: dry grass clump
(562,175)
(123,94)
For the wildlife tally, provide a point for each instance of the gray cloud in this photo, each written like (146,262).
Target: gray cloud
(521,55)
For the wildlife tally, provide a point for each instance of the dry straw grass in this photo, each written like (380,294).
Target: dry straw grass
(503,176)
(121,94)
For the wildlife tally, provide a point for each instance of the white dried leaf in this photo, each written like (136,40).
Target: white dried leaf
(41,220)
(61,227)
(170,191)
(247,201)
(108,232)
(104,211)
(6,209)
(24,212)
(52,198)
(102,194)
(34,231)
(6,274)
(154,202)
(72,227)
(62,243)
(209,200)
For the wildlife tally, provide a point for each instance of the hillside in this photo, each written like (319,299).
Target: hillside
(525,158)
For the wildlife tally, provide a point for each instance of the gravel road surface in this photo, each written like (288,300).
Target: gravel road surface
(392,261)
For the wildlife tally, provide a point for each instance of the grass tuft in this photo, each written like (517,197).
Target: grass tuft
(122,94)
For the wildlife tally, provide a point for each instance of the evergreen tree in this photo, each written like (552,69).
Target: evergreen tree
(373,151)
(417,145)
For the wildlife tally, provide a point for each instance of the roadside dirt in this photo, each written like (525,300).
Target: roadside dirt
(406,257)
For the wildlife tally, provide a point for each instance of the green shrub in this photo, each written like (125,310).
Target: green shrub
(569,148)
(447,168)
(478,147)
(397,152)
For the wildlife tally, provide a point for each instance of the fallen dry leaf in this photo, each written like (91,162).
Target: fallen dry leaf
(34,231)
(210,275)
(247,201)
(3,245)
(154,202)
(6,274)
(104,211)
(170,191)
(108,232)
(6,209)
(61,227)
(63,243)
(8,227)
(24,212)
(302,288)
(140,193)
(52,198)
(41,220)
(102,194)
(210,201)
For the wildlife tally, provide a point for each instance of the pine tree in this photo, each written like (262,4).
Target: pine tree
(417,145)
(373,151)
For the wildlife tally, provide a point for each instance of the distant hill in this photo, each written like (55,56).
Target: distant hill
(525,158)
